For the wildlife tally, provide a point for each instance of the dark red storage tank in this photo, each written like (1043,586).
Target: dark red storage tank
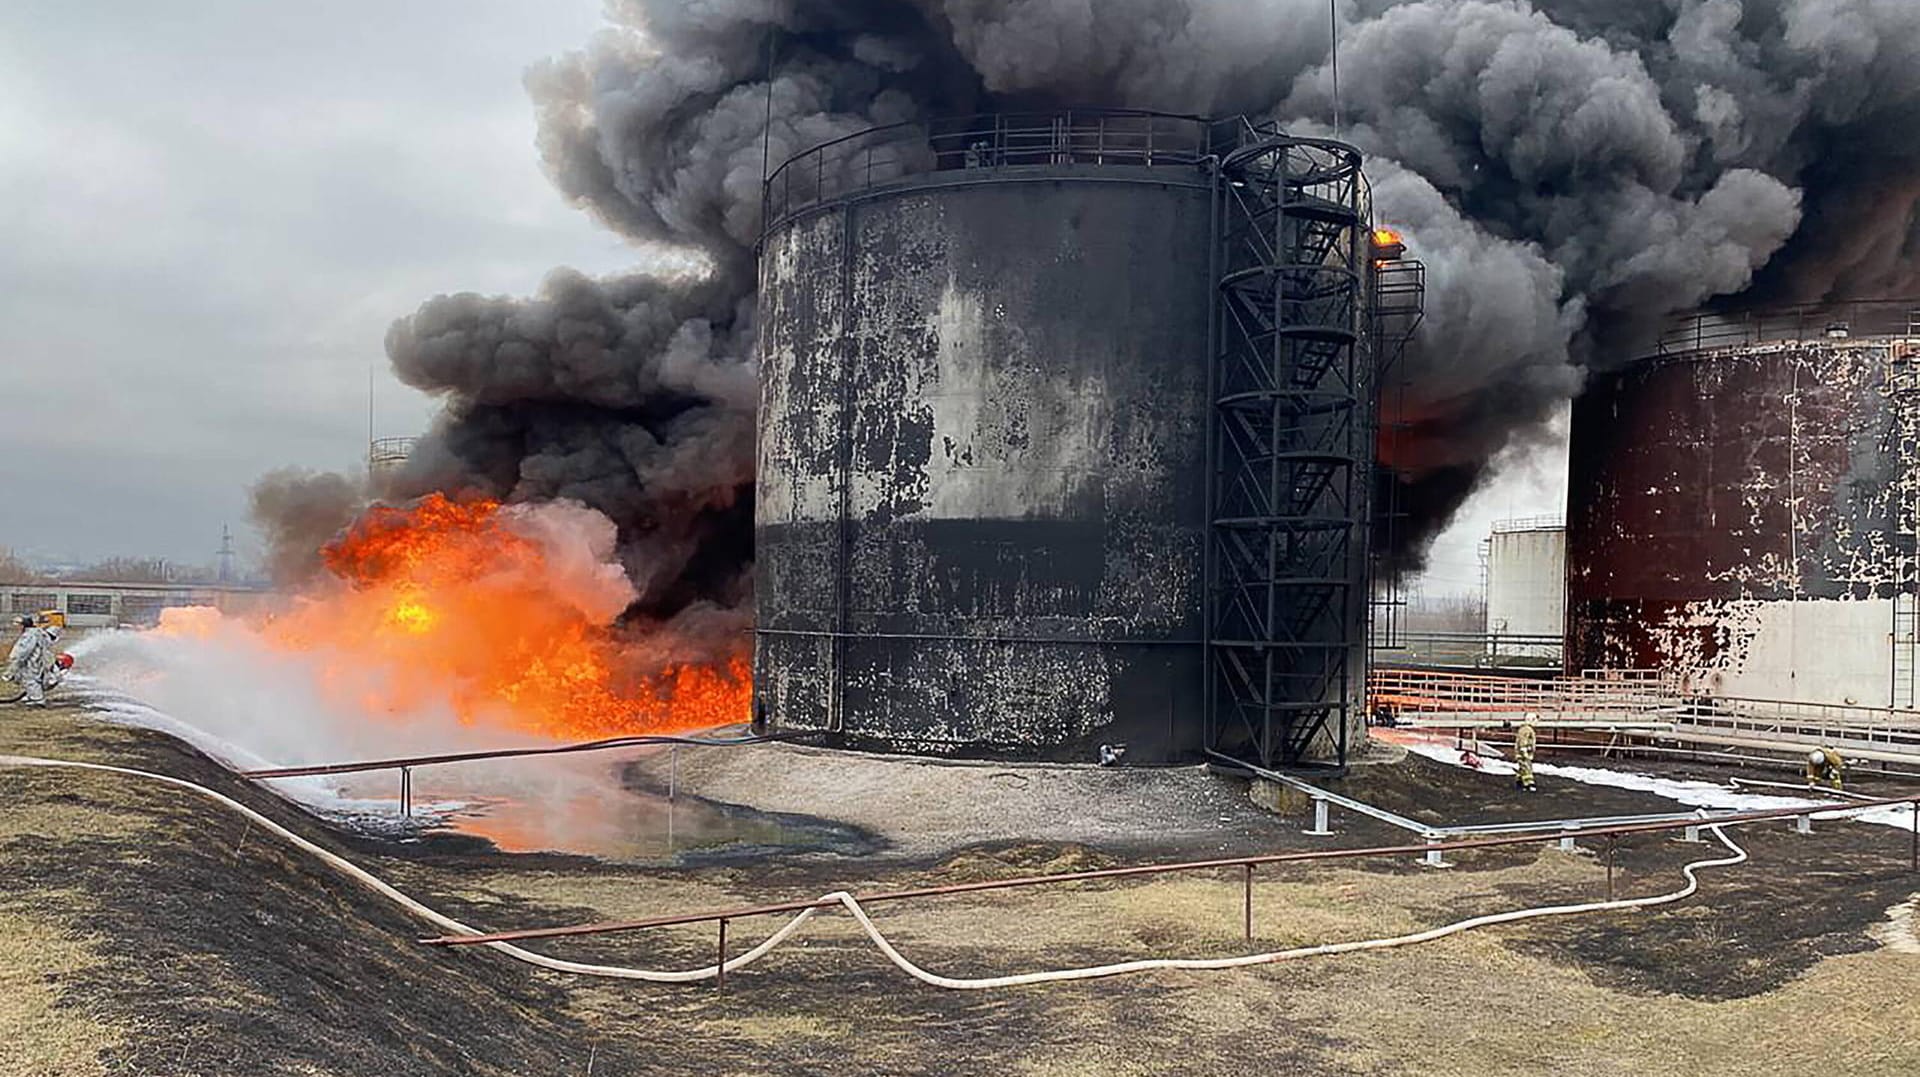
(1740,508)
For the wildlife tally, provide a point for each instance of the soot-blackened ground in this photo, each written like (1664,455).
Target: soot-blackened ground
(223,950)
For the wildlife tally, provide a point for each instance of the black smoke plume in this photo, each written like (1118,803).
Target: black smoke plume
(1570,170)
(298,512)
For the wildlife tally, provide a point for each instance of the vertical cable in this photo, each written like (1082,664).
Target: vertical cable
(1333,33)
(766,135)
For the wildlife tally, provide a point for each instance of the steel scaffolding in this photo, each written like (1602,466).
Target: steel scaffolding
(1291,445)
(1398,293)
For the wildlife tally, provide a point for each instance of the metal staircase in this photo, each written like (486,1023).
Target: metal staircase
(1399,295)
(1291,444)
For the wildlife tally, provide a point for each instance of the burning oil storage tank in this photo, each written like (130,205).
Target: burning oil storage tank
(993,352)
(1741,507)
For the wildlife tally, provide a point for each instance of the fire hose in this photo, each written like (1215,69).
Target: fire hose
(852,905)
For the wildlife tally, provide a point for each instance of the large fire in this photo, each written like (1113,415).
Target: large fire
(459,604)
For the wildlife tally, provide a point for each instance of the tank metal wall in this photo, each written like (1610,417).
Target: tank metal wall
(1743,518)
(982,495)
(1527,587)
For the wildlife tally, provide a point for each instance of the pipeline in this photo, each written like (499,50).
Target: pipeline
(631,741)
(1807,787)
(846,900)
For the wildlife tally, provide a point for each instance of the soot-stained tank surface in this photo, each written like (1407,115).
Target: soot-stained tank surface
(982,498)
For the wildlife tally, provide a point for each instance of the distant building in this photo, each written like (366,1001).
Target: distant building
(99,605)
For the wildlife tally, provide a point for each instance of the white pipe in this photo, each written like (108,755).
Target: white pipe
(846,900)
(1092,972)
(1739,783)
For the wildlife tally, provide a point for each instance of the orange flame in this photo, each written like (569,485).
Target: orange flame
(189,622)
(442,602)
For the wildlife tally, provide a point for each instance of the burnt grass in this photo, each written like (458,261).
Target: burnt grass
(232,952)
(1754,927)
(1751,930)
(227,951)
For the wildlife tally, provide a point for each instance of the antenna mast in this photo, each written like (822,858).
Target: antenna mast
(1333,32)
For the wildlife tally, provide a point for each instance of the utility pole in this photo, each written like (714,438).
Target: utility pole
(370,460)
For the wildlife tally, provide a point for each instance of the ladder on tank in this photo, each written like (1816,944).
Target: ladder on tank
(1399,292)
(1289,444)
(1903,394)
(1904,642)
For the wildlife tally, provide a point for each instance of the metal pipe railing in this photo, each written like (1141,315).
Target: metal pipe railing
(1244,863)
(1844,713)
(1883,733)
(1101,137)
(1708,330)
(408,762)
(1432,691)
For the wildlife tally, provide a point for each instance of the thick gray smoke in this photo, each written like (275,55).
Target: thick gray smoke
(297,513)
(1656,155)
(633,396)
(1570,170)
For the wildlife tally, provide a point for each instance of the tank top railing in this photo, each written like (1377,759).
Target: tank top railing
(1711,331)
(987,143)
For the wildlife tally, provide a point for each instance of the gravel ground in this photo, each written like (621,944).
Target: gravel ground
(921,807)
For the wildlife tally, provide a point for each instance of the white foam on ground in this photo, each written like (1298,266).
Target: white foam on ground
(319,793)
(252,706)
(1693,794)
(1896,931)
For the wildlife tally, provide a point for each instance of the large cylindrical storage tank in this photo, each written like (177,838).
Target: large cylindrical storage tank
(1526,588)
(1741,508)
(982,498)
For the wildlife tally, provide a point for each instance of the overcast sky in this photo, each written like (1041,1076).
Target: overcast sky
(209,214)
(1529,481)
(211,211)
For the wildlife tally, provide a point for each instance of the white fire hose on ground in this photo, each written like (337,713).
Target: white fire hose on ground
(880,941)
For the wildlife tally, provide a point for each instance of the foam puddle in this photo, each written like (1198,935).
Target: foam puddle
(1896,931)
(1693,794)
(579,809)
(252,708)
